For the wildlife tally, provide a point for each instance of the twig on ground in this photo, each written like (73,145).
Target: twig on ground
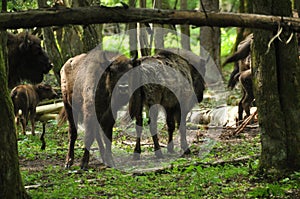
(244,124)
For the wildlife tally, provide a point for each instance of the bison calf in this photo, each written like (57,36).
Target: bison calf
(25,99)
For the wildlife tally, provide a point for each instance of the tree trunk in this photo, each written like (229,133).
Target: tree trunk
(143,36)
(276,74)
(245,7)
(11,185)
(158,29)
(185,29)
(51,46)
(133,34)
(90,36)
(210,37)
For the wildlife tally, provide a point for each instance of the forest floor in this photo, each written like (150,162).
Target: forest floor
(220,166)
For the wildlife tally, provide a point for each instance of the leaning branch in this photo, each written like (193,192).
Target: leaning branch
(100,14)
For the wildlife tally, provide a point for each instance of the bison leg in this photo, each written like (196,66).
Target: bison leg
(249,97)
(100,144)
(23,123)
(72,134)
(138,128)
(153,112)
(32,121)
(107,123)
(42,137)
(182,129)
(241,109)
(88,141)
(171,128)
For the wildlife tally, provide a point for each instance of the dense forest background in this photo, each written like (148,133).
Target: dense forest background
(231,169)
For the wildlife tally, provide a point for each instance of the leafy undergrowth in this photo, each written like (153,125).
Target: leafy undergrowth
(226,171)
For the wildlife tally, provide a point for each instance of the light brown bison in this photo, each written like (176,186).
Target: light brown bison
(171,81)
(25,99)
(242,73)
(87,83)
(26,59)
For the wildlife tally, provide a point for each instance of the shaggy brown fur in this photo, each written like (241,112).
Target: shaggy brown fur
(25,100)
(26,59)
(87,83)
(242,73)
(169,80)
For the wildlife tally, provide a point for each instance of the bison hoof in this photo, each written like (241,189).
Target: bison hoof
(43,147)
(136,156)
(68,164)
(84,168)
(187,152)
(159,154)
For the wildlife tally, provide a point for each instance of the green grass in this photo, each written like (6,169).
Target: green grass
(190,177)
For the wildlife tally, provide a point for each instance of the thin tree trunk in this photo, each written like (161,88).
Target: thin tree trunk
(158,29)
(210,36)
(90,36)
(185,29)
(143,36)
(245,7)
(51,46)
(11,185)
(133,34)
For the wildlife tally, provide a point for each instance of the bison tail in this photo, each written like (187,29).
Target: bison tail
(62,117)
(20,112)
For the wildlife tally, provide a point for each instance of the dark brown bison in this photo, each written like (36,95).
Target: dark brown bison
(26,59)
(87,83)
(25,99)
(242,73)
(171,81)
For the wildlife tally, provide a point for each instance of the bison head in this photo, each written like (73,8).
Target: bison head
(45,91)
(26,59)
(117,68)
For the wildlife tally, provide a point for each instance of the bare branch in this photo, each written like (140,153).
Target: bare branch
(98,15)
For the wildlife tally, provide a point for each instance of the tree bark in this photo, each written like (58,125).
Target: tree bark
(96,14)
(11,185)
(185,29)
(245,7)
(210,37)
(158,30)
(143,35)
(90,36)
(133,34)
(277,92)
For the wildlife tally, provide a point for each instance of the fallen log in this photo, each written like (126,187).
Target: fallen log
(98,15)
(46,117)
(49,108)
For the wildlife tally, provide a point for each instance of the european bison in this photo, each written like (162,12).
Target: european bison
(26,59)
(171,81)
(242,73)
(87,83)
(25,99)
